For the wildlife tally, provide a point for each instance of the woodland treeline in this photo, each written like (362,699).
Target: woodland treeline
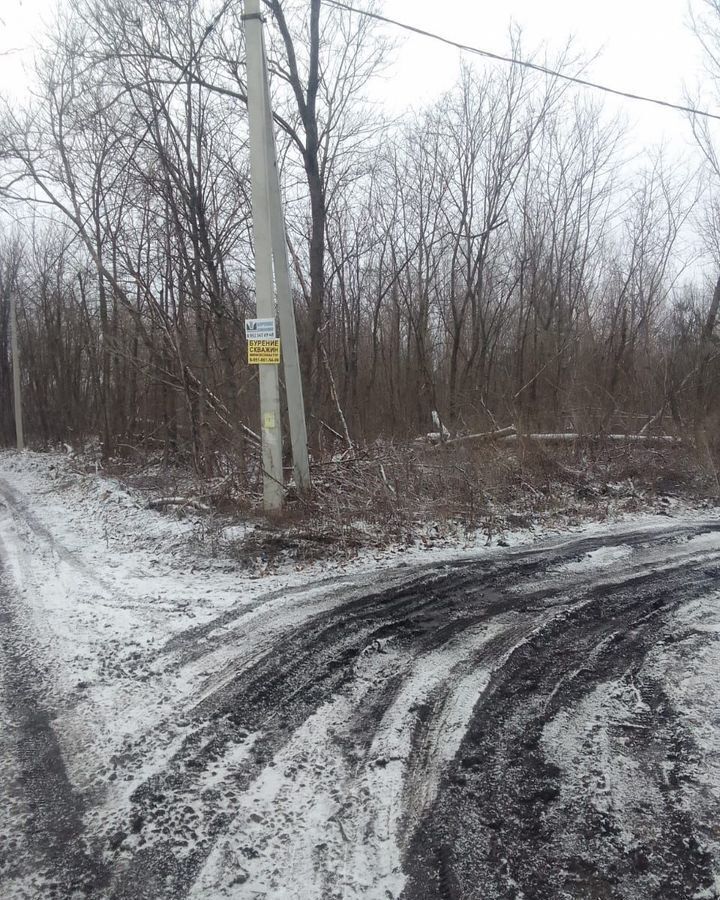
(501,256)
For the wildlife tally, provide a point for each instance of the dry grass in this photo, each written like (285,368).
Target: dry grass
(398,494)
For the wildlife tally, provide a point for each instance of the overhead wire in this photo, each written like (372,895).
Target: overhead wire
(524,63)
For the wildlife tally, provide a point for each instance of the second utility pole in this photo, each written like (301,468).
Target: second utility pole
(17,394)
(286,310)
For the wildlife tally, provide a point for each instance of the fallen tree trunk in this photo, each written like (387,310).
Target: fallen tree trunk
(511,434)
(484,436)
(564,438)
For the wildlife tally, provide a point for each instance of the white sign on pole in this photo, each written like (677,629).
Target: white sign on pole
(260,329)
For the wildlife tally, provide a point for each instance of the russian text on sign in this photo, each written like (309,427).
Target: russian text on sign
(264,352)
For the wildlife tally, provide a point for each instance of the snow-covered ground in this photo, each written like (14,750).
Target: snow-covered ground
(134,624)
(109,583)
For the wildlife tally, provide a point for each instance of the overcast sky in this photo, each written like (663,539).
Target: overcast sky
(645,46)
(642,46)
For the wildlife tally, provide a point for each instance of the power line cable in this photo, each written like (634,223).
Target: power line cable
(488,54)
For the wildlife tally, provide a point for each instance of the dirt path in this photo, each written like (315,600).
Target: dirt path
(483,728)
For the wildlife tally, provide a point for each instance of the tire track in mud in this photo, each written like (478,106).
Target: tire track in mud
(500,826)
(270,700)
(230,626)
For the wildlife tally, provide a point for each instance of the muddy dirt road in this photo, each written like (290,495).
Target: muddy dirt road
(536,722)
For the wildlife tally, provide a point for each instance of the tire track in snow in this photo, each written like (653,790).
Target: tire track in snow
(503,825)
(53,843)
(19,508)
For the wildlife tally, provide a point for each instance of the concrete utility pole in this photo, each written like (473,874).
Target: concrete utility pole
(286,310)
(16,373)
(271,257)
(273,486)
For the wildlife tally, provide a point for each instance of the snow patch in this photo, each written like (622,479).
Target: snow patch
(602,558)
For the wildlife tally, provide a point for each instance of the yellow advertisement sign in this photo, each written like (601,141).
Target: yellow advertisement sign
(264,352)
